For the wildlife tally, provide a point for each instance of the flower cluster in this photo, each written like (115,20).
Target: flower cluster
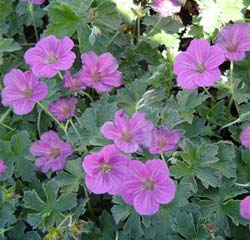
(199,65)
(51,152)
(135,133)
(166,8)
(145,186)
(22,90)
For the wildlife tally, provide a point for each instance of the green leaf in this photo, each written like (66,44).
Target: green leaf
(72,177)
(45,212)
(226,164)
(90,122)
(7,45)
(120,210)
(129,97)
(196,164)
(63,20)
(221,206)
(7,216)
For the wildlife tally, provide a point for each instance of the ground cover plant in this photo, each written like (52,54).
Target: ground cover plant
(125,120)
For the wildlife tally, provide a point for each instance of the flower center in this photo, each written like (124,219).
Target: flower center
(232,48)
(28,93)
(161,143)
(66,110)
(105,167)
(148,184)
(127,137)
(96,77)
(54,152)
(52,59)
(200,68)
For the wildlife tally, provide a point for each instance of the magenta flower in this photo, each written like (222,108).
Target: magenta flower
(163,140)
(245,136)
(199,65)
(166,7)
(73,82)
(128,134)
(148,185)
(51,152)
(245,208)
(105,170)
(50,55)
(234,40)
(22,90)
(3,167)
(64,108)
(100,72)
(37,2)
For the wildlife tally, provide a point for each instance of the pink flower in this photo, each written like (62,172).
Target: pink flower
(50,55)
(51,152)
(64,108)
(128,134)
(148,185)
(22,90)
(245,136)
(163,140)
(105,170)
(37,2)
(100,72)
(234,40)
(73,83)
(166,7)
(199,65)
(3,167)
(245,208)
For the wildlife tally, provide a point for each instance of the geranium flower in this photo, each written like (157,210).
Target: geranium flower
(73,82)
(51,152)
(3,167)
(199,65)
(64,108)
(128,134)
(245,136)
(105,170)
(37,2)
(22,90)
(234,40)
(50,55)
(146,186)
(245,208)
(166,8)
(163,140)
(100,72)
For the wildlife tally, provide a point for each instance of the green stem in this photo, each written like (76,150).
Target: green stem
(87,95)
(209,94)
(162,157)
(39,123)
(5,115)
(112,39)
(33,19)
(88,202)
(6,126)
(230,124)
(138,28)
(76,131)
(60,75)
(232,89)
(243,184)
(51,115)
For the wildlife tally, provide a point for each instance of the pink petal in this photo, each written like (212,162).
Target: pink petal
(144,204)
